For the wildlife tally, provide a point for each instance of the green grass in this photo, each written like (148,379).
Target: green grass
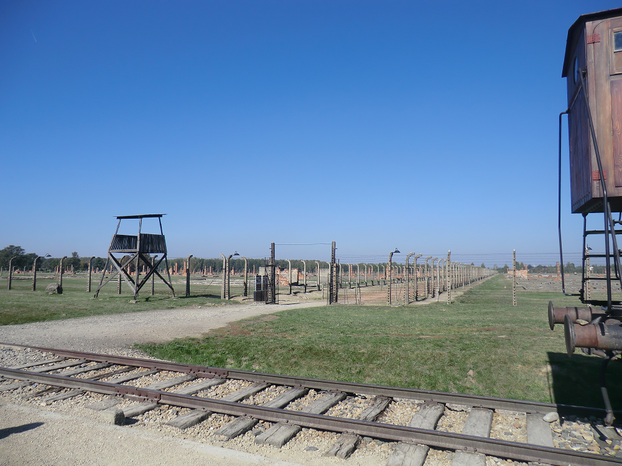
(21,305)
(480,344)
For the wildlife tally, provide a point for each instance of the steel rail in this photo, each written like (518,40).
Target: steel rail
(453,441)
(329,385)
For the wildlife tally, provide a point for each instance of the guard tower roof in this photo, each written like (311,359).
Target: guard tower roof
(123,217)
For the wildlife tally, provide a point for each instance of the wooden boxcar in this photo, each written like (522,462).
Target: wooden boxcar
(594,47)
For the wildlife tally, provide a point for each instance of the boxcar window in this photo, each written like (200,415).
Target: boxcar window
(617,41)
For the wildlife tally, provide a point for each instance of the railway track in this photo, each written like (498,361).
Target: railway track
(276,408)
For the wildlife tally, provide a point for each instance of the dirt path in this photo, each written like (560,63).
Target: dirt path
(35,436)
(111,333)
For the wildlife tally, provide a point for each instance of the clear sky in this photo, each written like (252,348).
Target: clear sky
(426,126)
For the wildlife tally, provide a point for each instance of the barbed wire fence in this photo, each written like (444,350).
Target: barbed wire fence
(397,277)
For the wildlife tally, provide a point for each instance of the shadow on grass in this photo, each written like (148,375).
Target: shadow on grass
(576,380)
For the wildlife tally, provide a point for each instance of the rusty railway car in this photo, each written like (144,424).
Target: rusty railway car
(594,54)
(593,71)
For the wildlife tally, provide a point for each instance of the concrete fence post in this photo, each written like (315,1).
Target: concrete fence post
(60,277)
(448,276)
(88,286)
(317,263)
(10,271)
(245,276)
(407,277)
(188,276)
(514,277)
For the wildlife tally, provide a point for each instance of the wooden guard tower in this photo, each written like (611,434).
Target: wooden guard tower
(136,247)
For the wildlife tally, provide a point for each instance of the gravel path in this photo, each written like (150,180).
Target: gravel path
(31,436)
(118,332)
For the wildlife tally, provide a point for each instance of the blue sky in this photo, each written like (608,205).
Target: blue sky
(426,126)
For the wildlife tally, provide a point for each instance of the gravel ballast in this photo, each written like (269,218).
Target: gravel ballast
(71,437)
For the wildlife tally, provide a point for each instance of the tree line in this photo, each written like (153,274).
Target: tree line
(25,261)
(570,267)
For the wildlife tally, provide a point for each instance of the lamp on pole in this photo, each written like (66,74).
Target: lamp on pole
(390,272)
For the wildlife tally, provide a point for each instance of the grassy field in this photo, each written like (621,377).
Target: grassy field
(21,305)
(479,344)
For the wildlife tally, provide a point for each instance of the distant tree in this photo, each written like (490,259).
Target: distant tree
(50,264)
(74,261)
(483,266)
(570,268)
(28,260)
(537,269)
(9,252)
(99,263)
